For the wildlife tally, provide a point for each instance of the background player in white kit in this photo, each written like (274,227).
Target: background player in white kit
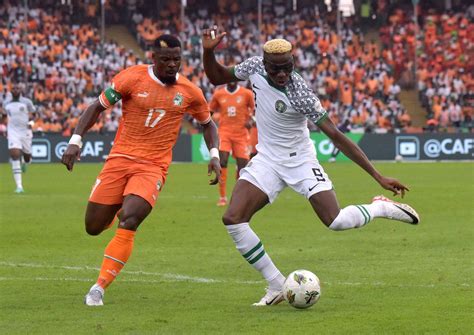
(286,156)
(20,135)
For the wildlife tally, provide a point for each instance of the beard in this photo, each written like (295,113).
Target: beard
(168,80)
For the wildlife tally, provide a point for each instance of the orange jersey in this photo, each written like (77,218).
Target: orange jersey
(151,113)
(235,108)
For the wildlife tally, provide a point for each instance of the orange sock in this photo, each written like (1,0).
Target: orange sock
(115,256)
(222,182)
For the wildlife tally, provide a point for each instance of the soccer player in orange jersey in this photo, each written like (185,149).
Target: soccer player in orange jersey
(235,106)
(154,99)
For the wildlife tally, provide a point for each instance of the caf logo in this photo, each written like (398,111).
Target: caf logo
(280,106)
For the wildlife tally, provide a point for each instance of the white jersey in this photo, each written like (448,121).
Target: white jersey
(18,114)
(281,115)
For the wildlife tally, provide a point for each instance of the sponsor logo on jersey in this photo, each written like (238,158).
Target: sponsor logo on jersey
(280,106)
(178,99)
(22,109)
(143,94)
(239,100)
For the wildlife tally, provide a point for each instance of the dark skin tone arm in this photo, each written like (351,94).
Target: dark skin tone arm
(353,152)
(86,121)
(212,141)
(217,73)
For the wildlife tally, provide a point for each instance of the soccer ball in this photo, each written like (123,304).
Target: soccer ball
(302,289)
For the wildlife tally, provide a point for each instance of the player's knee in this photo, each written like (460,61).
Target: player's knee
(129,222)
(224,164)
(93,230)
(94,224)
(231,218)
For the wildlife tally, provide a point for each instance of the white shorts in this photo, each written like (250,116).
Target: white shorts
(307,179)
(20,141)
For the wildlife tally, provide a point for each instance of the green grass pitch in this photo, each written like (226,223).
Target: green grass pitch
(185,276)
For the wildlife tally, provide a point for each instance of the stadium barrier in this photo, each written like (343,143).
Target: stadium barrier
(382,147)
(192,148)
(48,148)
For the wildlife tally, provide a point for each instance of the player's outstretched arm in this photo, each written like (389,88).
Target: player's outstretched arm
(352,150)
(217,73)
(86,121)
(212,142)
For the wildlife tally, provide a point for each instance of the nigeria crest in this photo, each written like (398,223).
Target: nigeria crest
(280,106)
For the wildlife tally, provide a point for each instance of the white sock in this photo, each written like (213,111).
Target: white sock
(250,247)
(357,216)
(16,169)
(351,217)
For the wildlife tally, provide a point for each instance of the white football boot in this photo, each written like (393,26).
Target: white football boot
(397,211)
(94,296)
(270,298)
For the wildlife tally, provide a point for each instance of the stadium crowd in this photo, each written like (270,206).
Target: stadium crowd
(444,65)
(61,62)
(63,65)
(367,98)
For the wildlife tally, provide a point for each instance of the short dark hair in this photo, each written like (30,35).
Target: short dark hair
(167,41)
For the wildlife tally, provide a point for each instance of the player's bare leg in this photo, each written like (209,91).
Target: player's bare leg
(134,210)
(26,160)
(100,217)
(246,200)
(241,163)
(224,158)
(327,208)
(15,156)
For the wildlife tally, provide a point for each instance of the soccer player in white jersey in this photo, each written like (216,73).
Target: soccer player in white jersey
(287,157)
(20,135)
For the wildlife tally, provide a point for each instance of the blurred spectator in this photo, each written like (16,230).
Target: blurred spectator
(445,63)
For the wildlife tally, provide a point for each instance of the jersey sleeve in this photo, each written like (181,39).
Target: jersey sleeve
(305,101)
(214,104)
(248,67)
(251,105)
(199,109)
(119,89)
(29,105)
(5,103)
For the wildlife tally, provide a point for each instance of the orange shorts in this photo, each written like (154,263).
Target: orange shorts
(121,176)
(235,143)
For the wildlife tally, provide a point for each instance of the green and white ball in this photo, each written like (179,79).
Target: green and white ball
(302,289)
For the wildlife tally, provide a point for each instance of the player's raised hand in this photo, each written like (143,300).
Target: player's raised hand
(214,166)
(393,185)
(211,38)
(72,153)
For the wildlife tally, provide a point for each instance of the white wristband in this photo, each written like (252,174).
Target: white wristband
(76,140)
(214,153)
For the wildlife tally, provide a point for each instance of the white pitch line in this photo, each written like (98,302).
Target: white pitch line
(166,276)
(88,280)
(173,277)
